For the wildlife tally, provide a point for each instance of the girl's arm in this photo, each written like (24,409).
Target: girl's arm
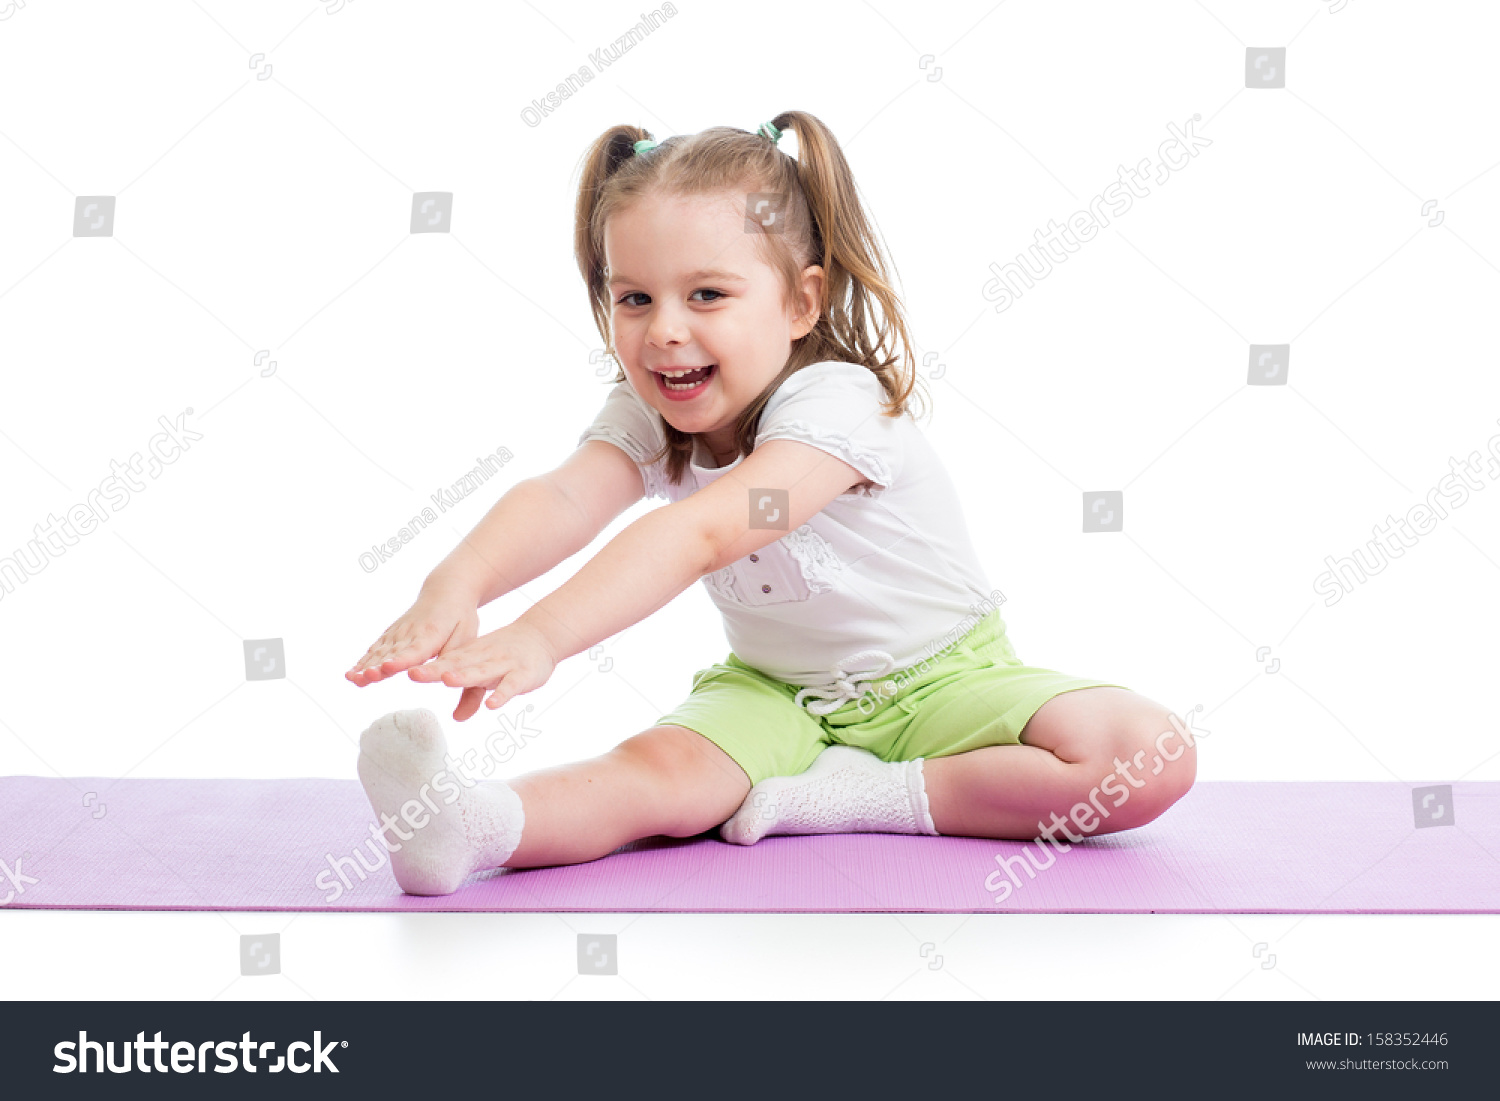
(665,551)
(538,523)
(534,526)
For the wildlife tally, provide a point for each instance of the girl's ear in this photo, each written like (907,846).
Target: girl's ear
(809,303)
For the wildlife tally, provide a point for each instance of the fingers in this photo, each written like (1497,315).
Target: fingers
(458,669)
(404,657)
(363,675)
(367,669)
(515,682)
(478,666)
(359,672)
(387,658)
(468,704)
(367,672)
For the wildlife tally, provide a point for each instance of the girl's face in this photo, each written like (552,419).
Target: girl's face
(688,289)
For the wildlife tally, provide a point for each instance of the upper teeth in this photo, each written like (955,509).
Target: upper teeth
(679,374)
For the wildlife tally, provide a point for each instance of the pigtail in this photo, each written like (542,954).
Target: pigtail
(610,150)
(828,220)
(862,319)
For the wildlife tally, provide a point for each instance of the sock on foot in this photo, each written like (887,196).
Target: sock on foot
(399,755)
(847,790)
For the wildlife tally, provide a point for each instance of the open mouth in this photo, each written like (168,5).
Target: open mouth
(684,382)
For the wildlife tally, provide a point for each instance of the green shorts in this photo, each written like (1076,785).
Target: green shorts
(973,694)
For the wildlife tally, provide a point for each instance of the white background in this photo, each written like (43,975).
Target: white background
(274,214)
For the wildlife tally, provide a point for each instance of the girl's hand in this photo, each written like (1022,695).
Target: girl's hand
(511,661)
(435,624)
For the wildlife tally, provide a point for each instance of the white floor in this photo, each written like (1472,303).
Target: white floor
(169,955)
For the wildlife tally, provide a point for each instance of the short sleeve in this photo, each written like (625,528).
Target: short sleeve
(635,428)
(837,408)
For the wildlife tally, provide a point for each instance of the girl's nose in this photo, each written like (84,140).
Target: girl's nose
(667,327)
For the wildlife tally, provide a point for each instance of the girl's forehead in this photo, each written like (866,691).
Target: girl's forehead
(654,243)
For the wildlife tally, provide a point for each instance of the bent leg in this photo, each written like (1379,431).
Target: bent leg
(1092,760)
(667,780)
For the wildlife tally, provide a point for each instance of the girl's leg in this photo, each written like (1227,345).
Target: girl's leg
(440,824)
(1092,760)
(668,780)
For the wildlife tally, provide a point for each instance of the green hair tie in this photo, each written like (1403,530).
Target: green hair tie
(643,145)
(769,131)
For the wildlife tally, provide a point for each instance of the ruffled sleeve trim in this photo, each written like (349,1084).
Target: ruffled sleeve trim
(869,463)
(653,477)
(635,428)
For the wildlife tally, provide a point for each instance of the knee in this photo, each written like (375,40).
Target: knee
(681,777)
(1152,767)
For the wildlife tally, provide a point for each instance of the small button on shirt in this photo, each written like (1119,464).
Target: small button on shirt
(886,568)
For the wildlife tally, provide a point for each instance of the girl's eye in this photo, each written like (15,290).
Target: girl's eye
(624,299)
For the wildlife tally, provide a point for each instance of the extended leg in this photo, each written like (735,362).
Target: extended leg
(667,780)
(1093,760)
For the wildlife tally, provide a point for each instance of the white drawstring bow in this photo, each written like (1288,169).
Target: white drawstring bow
(849,681)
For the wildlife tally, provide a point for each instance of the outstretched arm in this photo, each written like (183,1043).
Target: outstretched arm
(541,522)
(644,567)
(538,523)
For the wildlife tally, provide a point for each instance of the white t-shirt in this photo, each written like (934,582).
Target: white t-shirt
(879,580)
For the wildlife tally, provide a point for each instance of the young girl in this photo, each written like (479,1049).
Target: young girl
(765,374)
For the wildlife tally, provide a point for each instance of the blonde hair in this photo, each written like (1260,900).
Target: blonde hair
(860,317)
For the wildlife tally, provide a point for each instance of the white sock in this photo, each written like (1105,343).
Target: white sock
(400,755)
(847,790)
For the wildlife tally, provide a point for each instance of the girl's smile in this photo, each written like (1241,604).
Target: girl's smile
(684,384)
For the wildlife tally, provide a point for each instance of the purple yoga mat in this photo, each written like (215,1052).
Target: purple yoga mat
(1227,847)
